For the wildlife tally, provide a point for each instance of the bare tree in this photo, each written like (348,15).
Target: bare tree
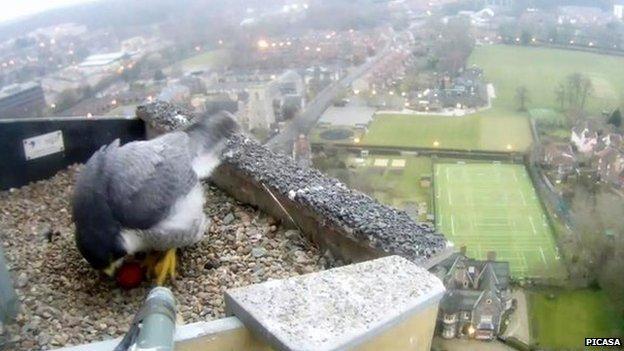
(579,89)
(597,248)
(453,46)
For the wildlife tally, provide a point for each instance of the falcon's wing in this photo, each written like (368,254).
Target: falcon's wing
(145,178)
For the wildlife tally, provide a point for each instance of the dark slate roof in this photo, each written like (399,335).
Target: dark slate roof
(498,268)
(459,300)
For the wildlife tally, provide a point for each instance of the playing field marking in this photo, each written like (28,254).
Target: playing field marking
(543,256)
(523,199)
(448,193)
(490,208)
(532,225)
(452,225)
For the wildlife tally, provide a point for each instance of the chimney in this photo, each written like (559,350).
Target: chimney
(462,250)
(491,255)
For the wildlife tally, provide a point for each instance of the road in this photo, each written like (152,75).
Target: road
(315,108)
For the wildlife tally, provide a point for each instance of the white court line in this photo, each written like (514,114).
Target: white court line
(543,257)
(523,200)
(532,225)
(452,225)
(448,193)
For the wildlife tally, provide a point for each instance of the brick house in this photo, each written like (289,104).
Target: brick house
(478,295)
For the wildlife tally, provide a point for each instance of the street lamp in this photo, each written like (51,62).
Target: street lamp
(263,44)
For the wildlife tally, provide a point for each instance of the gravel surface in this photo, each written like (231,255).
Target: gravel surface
(65,302)
(164,116)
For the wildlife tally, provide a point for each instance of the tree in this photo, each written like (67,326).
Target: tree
(522,97)
(616,118)
(66,99)
(159,75)
(579,89)
(525,37)
(560,96)
(597,250)
(454,46)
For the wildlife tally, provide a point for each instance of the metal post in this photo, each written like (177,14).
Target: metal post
(8,298)
(158,326)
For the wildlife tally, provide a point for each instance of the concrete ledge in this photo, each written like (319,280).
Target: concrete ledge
(222,334)
(341,308)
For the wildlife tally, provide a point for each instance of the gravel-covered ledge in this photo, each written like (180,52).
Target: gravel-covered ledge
(352,225)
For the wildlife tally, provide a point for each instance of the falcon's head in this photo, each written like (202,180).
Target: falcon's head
(101,246)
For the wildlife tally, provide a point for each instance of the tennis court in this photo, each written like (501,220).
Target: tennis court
(494,207)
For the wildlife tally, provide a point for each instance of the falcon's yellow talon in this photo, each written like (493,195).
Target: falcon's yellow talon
(166,267)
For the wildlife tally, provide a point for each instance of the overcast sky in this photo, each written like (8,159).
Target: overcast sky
(12,9)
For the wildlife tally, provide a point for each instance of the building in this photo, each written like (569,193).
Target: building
(175,93)
(477,298)
(618,10)
(262,95)
(559,158)
(584,138)
(21,100)
(103,60)
(609,163)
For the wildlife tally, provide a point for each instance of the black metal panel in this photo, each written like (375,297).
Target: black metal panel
(81,137)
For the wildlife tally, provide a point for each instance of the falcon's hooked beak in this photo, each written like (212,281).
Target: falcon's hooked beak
(112,267)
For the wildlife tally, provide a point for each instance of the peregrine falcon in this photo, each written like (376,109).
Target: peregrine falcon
(146,196)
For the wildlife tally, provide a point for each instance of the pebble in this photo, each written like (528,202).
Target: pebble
(258,252)
(229,218)
(22,280)
(65,302)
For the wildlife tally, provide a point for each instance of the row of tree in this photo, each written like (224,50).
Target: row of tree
(597,242)
(571,96)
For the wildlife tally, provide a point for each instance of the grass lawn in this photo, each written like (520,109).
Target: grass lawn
(394,180)
(493,207)
(565,320)
(474,132)
(542,69)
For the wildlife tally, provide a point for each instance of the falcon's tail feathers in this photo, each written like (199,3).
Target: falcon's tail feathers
(208,136)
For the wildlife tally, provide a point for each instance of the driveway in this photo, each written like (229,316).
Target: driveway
(519,321)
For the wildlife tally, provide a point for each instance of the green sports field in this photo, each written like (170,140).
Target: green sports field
(213,59)
(560,320)
(474,132)
(493,207)
(540,70)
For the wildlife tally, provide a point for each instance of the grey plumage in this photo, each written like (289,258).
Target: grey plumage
(145,178)
(146,194)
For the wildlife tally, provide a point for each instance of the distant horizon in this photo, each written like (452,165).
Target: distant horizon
(17,10)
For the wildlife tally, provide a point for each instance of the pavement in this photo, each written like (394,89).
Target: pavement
(519,321)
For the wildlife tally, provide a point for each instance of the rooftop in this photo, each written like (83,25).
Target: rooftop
(102,59)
